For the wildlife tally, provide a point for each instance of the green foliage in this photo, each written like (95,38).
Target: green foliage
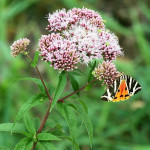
(116,125)
(74,82)
(3,148)
(90,76)
(17,128)
(22,144)
(68,113)
(33,101)
(47,137)
(29,124)
(59,89)
(35,60)
(35,80)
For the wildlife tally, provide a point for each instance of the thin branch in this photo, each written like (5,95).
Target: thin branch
(42,124)
(60,100)
(41,79)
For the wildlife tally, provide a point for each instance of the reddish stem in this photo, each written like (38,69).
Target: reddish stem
(60,100)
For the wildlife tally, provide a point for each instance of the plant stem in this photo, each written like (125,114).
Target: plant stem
(42,124)
(60,100)
(41,79)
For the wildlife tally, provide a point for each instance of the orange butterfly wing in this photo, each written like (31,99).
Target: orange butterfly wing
(122,92)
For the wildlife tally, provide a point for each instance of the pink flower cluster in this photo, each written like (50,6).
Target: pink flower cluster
(106,72)
(60,52)
(61,20)
(77,35)
(19,46)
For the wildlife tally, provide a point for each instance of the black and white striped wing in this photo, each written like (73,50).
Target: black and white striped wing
(133,86)
(111,91)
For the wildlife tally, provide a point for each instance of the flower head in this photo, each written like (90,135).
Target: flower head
(107,72)
(19,46)
(58,51)
(109,45)
(62,19)
(80,32)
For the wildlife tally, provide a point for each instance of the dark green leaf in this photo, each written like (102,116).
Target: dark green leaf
(90,76)
(59,89)
(68,113)
(36,57)
(29,124)
(47,137)
(21,145)
(33,101)
(74,82)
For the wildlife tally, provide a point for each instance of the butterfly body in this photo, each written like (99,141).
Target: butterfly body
(122,89)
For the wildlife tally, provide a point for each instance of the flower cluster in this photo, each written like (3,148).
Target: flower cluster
(61,20)
(77,35)
(19,46)
(60,52)
(106,72)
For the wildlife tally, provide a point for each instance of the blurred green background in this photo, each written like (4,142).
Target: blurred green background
(117,126)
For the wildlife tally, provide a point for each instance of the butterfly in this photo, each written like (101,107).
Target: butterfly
(123,88)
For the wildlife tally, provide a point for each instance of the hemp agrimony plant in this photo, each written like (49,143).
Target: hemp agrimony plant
(74,37)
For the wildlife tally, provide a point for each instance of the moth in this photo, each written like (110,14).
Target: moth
(123,88)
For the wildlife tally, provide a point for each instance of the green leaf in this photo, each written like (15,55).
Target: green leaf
(18,128)
(35,80)
(35,60)
(29,124)
(29,145)
(74,83)
(88,87)
(59,89)
(48,145)
(21,145)
(33,101)
(4,148)
(68,113)
(90,76)
(81,109)
(47,137)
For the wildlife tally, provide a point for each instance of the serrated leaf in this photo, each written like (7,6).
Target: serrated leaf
(88,87)
(29,124)
(91,70)
(35,80)
(48,145)
(84,106)
(59,89)
(18,128)
(33,101)
(29,145)
(21,145)
(35,60)
(47,137)
(68,113)
(88,124)
(74,83)
(39,146)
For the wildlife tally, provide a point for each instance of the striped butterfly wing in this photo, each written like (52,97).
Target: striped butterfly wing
(123,87)
(133,86)
(111,91)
